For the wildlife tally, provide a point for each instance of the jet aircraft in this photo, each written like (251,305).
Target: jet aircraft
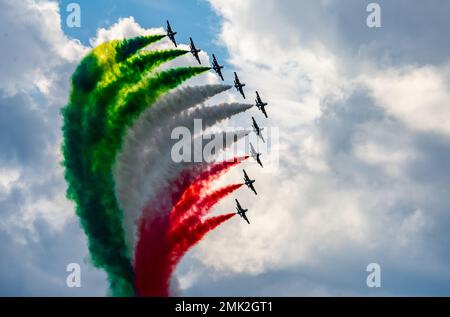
(241,212)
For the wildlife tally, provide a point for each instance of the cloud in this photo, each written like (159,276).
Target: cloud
(36,218)
(37,62)
(360,117)
(363,151)
(31,34)
(124,28)
(39,230)
(417,96)
(38,267)
(128,27)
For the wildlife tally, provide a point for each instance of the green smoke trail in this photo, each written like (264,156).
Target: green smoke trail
(111,87)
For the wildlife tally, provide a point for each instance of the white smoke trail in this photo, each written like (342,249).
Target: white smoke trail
(126,172)
(144,163)
(154,170)
(160,143)
(167,106)
(168,170)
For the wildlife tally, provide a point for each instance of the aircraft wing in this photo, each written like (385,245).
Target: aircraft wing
(254,123)
(259,161)
(261,136)
(245,218)
(220,74)
(253,189)
(252,149)
(263,109)
(238,204)
(194,52)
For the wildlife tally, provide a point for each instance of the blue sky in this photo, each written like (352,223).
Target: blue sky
(190,18)
(364,145)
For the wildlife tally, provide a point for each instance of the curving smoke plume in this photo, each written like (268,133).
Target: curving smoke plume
(140,210)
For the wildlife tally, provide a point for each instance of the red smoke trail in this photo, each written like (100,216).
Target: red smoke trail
(164,237)
(198,174)
(200,184)
(152,272)
(189,217)
(194,234)
(161,246)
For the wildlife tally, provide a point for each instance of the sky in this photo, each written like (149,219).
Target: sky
(364,144)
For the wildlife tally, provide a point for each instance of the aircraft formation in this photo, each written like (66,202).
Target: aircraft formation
(240,88)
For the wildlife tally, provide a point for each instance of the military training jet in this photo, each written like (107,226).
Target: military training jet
(257,129)
(217,68)
(261,105)
(194,51)
(238,85)
(249,182)
(255,155)
(241,212)
(171,34)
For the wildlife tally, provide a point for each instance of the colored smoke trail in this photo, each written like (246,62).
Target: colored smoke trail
(146,163)
(193,234)
(186,206)
(188,194)
(116,157)
(142,152)
(148,142)
(164,238)
(162,243)
(188,211)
